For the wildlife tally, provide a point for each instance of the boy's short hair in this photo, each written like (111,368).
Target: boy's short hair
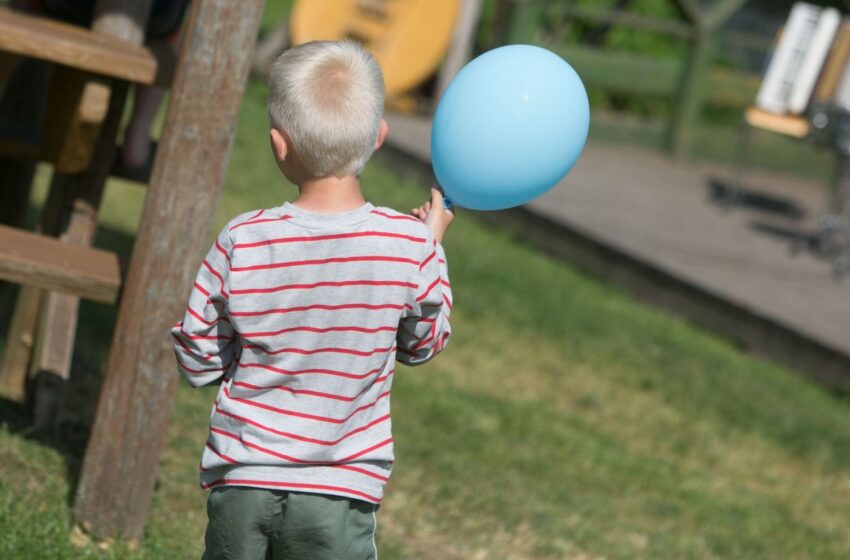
(329,98)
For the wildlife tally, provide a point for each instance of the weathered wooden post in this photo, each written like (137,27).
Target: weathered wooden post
(120,466)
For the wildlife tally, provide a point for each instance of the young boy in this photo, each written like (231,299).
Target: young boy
(300,312)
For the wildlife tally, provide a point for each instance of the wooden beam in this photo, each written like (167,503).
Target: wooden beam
(789,125)
(173,235)
(46,262)
(74,46)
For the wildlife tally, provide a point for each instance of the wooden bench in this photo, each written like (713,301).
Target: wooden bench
(51,264)
(74,127)
(80,87)
(77,47)
(218,40)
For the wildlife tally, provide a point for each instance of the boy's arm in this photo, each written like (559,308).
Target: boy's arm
(424,330)
(204,341)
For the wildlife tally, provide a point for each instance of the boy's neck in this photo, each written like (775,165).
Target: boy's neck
(330,195)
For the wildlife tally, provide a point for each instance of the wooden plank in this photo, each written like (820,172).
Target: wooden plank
(58,338)
(174,233)
(74,46)
(789,125)
(46,262)
(56,342)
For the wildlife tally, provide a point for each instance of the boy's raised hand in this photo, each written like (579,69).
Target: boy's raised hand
(435,215)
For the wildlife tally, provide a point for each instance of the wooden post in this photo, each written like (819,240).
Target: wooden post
(706,22)
(119,469)
(75,221)
(691,93)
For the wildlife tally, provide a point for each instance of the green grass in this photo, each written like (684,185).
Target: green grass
(563,421)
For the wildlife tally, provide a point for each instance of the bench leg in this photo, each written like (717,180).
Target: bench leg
(58,331)
(23,330)
(80,196)
(19,344)
(73,200)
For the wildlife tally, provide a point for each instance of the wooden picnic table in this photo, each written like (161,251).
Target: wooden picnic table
(120,465)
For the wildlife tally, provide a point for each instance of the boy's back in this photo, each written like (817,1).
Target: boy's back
(300,313)
(305,315)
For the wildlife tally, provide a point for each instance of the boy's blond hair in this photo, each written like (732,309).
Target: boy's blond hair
(328,96)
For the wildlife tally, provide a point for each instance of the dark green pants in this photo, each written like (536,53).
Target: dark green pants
(258,524)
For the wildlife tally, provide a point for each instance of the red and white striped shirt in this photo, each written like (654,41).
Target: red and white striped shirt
(301,318)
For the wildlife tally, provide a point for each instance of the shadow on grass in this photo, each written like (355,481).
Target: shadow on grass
(69,404)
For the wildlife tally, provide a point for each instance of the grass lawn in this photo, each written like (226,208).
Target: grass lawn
(563,421)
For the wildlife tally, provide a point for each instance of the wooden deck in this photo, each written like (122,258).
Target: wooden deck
(647,224)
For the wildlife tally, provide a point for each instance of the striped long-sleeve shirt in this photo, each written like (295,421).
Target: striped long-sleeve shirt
(301,317)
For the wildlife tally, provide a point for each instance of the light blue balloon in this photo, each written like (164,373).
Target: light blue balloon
(508,128)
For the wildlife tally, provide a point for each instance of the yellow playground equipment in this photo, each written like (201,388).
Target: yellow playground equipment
(409,38)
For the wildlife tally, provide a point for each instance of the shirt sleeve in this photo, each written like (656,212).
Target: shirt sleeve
(424,330)
(205,343)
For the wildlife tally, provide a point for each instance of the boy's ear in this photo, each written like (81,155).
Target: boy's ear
(279,145)
(382,134)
